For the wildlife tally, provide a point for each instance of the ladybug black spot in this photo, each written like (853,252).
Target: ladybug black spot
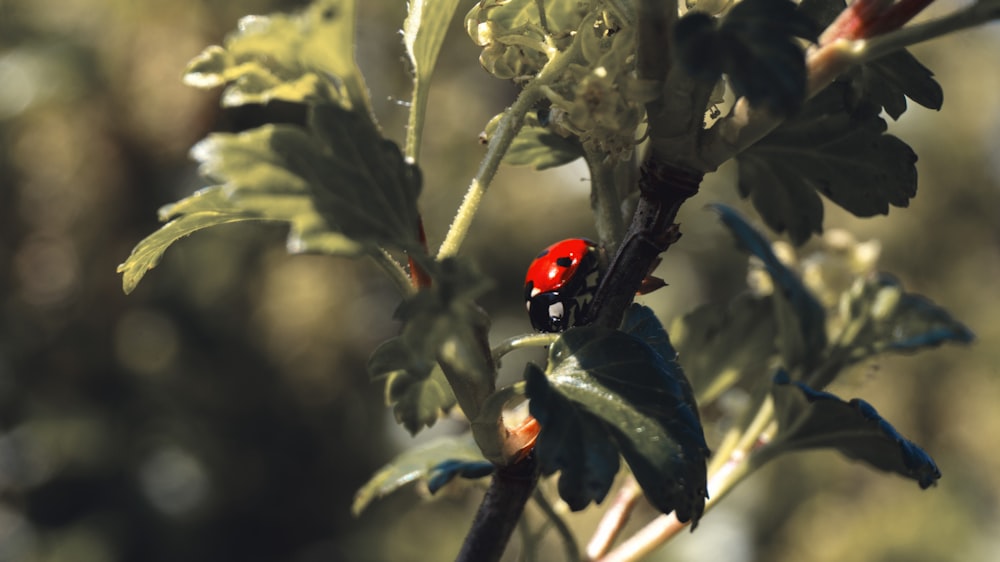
(564,262)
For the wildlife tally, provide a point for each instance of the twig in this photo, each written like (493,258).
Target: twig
(499,512)
(614,519)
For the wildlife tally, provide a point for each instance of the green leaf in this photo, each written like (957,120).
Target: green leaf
(147,253)
(889,80)
(342,188)
(885,82)
(881,316)
(423,34)
(809,419)
(723,344)
(606,391)
(304,57)
(420,463)
(842,154)
(536,146)
(443,324)
(800,318)
(417,391)
(755,46)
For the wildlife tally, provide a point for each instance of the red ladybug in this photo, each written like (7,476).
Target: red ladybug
(557,282)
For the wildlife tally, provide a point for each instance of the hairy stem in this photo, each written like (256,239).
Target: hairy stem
(395,271)
(508,127)
(499,512)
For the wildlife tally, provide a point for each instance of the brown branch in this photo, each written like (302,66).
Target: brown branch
(499,512)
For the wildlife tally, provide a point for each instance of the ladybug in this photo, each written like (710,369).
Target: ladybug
(558,280)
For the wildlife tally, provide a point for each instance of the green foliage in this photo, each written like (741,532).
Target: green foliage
(416,389)
(809,419)
(831,149)
(435,460)
(340,186)
(725,344)
(604,394)
(607,392)
(800,319)
(440,324)
(755,46)
(304,57)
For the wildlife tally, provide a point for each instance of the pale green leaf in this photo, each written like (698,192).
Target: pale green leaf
(302,57)
(423,34)
(148,252)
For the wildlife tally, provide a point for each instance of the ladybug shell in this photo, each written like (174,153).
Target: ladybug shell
(556,279)
(556,265)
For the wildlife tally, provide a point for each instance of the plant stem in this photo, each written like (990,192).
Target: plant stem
(395,271)
(604,198)
(508,127)
(569,541)
(499,512)
(522,341)
(978,13)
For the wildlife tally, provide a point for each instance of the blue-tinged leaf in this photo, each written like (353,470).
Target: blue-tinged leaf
(448,470)
(810,419)
(439,459)
(881,317)
(800,317)
(606,392)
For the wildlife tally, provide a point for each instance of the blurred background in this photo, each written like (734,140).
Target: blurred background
(223,412)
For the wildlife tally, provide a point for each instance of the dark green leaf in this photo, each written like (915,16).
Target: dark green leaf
(809,419)
(755,46)
(423,462)
(303,57)
(604,391)
(800,318)
(885,82)
(841,153)
(722,344)
(360,182)
(883,317)
(536,145)
(416,390)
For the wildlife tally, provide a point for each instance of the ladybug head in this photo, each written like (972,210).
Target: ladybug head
(550,312)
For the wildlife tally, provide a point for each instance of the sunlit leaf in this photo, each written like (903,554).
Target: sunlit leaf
(800,318)
(147,253)
(303,57)
(442,458)
(537,146)
(606,391)
(755,46)
(828,148)
(417,391)
(722,344)
(341,187)
(809,419)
